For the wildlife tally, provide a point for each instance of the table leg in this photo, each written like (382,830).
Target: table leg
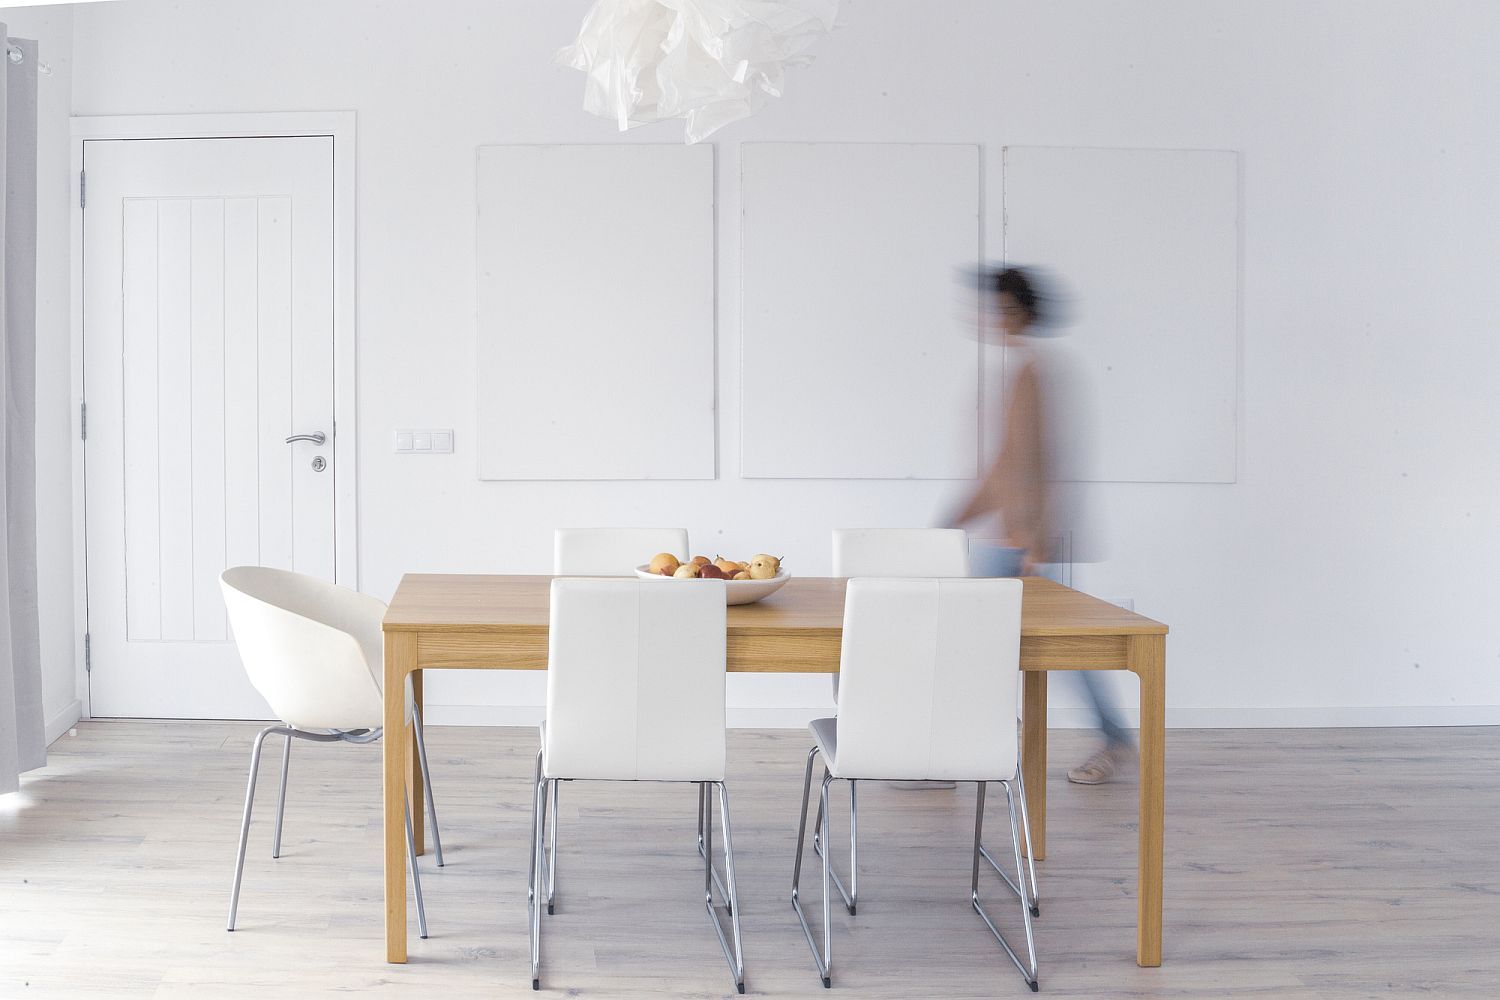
(400,658)
(414,773)
(1034,756)
(1147,658)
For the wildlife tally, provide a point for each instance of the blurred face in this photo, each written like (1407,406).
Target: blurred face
(1011,315)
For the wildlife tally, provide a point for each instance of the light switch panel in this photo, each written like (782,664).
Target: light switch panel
(424,442)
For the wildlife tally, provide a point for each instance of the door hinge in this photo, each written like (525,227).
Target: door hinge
(88,654)
(83,421)
(83,182)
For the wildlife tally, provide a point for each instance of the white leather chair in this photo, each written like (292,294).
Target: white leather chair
(928,665)
(315,652)
(900,552)
(905,553)
(635,692)
(612,551)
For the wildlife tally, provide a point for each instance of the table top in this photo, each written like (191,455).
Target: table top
(426,602)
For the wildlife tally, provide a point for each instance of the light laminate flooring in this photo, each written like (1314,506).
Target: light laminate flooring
(1299,863)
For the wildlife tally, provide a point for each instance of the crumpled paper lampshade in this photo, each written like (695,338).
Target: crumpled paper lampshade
(710,62)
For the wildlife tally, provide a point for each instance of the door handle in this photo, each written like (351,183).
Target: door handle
(316,438)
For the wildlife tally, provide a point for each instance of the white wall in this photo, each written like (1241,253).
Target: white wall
(1347,577)
(56,422)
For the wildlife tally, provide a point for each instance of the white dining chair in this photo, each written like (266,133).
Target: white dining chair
(906,553)
(315,652)
(613,551)
(900,552)
(635,692)
(927,665)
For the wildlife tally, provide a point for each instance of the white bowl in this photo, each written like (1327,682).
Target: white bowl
(735,591)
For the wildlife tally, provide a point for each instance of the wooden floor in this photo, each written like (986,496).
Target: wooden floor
(1316,863)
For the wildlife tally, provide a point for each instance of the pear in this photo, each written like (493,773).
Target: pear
(729,566)
(764,567)
(664,563)
(710,572)
(741,575)
(687,571)
(700,560)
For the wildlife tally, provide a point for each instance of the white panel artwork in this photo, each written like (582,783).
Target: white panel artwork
(859,357)
(1144,245)
(595,350)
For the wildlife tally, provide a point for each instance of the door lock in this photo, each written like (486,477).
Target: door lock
(318,464)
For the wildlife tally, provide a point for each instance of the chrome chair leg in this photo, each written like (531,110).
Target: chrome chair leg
(1036,909)
(416,875)
(849,894)
(823,960)
(1030,975)
(437,838)
(531,856)
(1036,898)
(735,957)
(286,760)
(534,897)
(239,861)
(705,810)
(551,852)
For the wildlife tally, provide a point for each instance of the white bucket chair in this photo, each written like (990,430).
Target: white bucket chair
(905,553)
(612,551)
(928,665)
(315,652)
(635,692)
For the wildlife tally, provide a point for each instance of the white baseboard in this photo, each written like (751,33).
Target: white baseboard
(798,717)
(63,721)
(1321,717)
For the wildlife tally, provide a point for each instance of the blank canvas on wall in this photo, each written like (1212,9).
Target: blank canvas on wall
(595,353)
(859,357)
(1144,246)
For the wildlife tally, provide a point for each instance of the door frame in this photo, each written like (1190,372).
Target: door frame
(339,126)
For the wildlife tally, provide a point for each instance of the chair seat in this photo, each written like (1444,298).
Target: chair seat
(704,771)
(825,733)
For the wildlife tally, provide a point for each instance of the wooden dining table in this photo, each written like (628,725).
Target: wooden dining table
(500,623)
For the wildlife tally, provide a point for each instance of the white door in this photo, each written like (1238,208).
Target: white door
(208,335)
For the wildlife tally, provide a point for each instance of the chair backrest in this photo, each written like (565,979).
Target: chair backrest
(635,680)
(613,551)
(314,650)
(928,679)
(900,552)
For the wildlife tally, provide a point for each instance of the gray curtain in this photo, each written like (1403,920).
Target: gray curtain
(22,742)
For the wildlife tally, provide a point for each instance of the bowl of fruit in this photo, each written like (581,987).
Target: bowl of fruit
(744,582)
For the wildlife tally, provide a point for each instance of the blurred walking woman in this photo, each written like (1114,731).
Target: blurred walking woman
(1017,486)
(1020,489)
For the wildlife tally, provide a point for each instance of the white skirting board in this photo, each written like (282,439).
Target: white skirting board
(60,723)
(797,717)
